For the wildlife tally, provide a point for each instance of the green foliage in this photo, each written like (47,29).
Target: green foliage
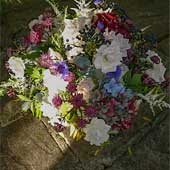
(2,92)
(35,108)
(134,81)
(24,98)
(31,56)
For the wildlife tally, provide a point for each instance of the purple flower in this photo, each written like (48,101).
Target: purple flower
(81,123)
(45,61)
(116,75)
(97,2)
(90,111)
(100,25)
(57,101)
(77,100)
(155,59)
(71,87)
(60,68)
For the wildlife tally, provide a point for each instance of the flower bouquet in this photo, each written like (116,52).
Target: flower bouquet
(88,70)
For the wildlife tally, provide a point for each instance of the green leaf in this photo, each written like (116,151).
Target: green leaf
(71,117)
(32,56)
(32,108)
(133,82)
(37,74)
(24,98)
(38,110)
(65,108)
(136,80)
(2,92)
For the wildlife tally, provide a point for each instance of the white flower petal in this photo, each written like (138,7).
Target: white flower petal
(17,66)
(97,132)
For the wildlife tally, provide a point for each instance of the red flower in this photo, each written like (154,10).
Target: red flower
(90,111)
(126,123)
(111,110)
(77,100)
(113,23)
(131,106)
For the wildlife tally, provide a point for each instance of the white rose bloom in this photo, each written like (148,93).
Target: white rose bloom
(157,72)
(97,132)
(151,53)
(17,66)
(54,83)
(48,110)
(110,55)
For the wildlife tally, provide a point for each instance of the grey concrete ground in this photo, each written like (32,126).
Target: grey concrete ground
(27,144)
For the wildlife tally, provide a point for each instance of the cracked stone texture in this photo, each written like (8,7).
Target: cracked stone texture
(27,144)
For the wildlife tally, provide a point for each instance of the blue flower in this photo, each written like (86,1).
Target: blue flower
(116,75)
(114,88)
(100,25)
(60,68)
(97,2)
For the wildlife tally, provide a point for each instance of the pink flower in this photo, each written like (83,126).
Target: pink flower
(71,87)
(81,123)
(57,101)
(45,60)
(70,77)
(47,22)
(35,37)
(77,100)
(91,111)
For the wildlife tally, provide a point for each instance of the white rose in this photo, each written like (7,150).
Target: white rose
(97,132)
(157,72)
(110,55)
(17,66)
(54,83)
(48,110)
